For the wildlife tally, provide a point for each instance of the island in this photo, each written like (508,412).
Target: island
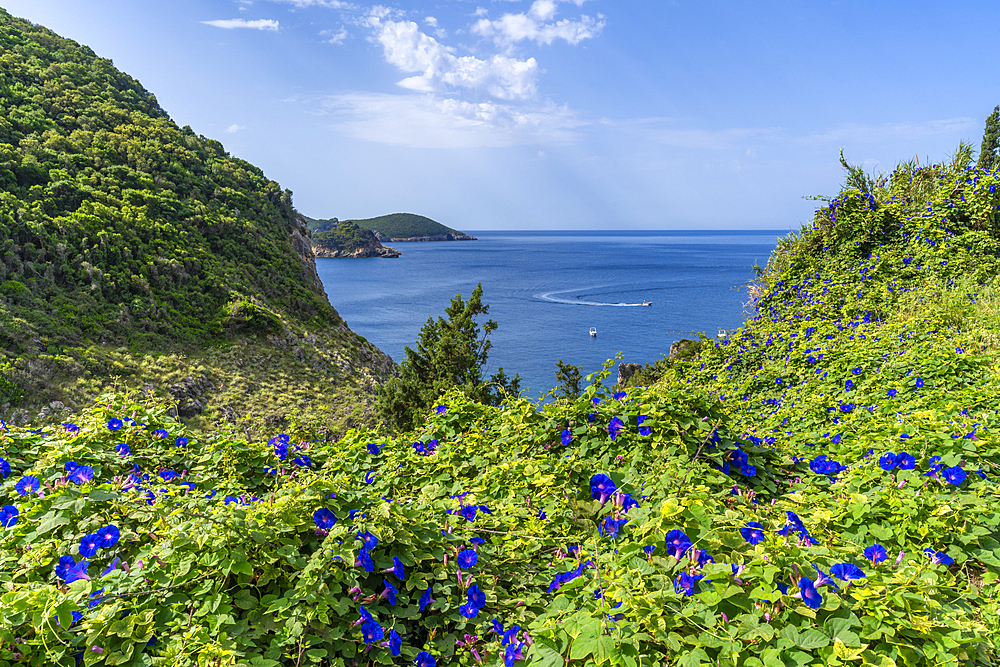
(402,228)
(336,238)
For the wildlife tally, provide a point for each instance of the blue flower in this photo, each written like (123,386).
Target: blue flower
(114,424)
(181,442)
(920,383)
(497,626)
(324,518)
(567,436)
(425,659)
(441,409)
(905,461)
(368,540)
(425,599)
(610,526)
(108,536)
(4,468)
(160,433)
(849,385)
(753,533)
(687,583)
(476,596)
(677,543)
(890,393)
(373,449)
(395,642)
(467,559)
(939,557)
(468,610)
(810,596)
(510,635)
(615,426)
(469,511)
(823,579)
(602,487)
(390,592)
(8,516)
(123,449)
(27,485)
(371,632)
(887,461)
(71,570)
(954,475)
(847,571)
(301,461)
(512,654)
(365,560)
(81,475)
(370,476)
(876,553)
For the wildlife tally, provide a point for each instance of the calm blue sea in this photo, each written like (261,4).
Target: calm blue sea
(546,289)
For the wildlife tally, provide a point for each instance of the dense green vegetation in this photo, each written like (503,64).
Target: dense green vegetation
(451,354)
(819,489)
(405,225)
(125,238)
(344,236)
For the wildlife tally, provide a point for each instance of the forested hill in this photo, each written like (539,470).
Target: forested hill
(404,226)
(120,228)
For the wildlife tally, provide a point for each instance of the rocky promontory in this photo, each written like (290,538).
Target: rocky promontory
(457,236)
(335,238)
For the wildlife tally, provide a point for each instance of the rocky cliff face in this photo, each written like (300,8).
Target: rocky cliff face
(437,237)
(302,245)
(345,239)
(372,249)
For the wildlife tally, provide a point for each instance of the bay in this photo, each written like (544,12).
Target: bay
(546,289)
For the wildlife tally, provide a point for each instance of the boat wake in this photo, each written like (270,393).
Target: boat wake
(549,296)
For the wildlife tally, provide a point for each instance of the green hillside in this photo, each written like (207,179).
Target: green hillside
(405,225)
(124,233)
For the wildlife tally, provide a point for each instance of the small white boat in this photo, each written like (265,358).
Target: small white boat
(647,303)
(593,332)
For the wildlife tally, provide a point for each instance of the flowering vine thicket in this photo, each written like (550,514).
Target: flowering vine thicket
(819,489)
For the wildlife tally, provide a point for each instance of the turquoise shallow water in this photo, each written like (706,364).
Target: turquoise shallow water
(546,289)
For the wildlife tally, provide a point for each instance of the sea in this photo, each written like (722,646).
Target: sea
(546,290)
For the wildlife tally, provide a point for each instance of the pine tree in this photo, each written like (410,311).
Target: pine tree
(989,152)
(450,353)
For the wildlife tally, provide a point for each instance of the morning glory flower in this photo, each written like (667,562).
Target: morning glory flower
(602,487)
(373,449)
(468,610)
(181,442)
(497,626)
(823,579)
(467,559)
(887,461)
(389,593)
(810,596)
(324,518)
(27,485)
(441,409)
(512,654)
(477,596)
(615,426)
(160,433)
(753,533)
(795,522)
(566,436)
(71,570)
(425,659)
(371,632)
(111,568)
(370,476)
(649,549)
(677,543)
(686,583)
(876,553)
(81,475)
(123,449)
(847,571)
(301,461)
(920,383)
(365,561)
(905,461)
(395,641)
(4,468)
(425,599)
(8,516)
(610,526)
(469,511)
(510,635)
(397,568)
(114,424)
(954,475)
(643,430)
(108,536)
(890,393)
(939,557)
(368,540)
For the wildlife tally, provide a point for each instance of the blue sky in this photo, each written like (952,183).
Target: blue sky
(557,114)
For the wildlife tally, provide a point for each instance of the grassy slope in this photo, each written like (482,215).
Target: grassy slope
(892,290)
(135,248)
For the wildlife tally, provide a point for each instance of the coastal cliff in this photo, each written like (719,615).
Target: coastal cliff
(334,238)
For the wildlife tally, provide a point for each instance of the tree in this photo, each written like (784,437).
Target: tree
(570,381)
(989,151)
(451,353)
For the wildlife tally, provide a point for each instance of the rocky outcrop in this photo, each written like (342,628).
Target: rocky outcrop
(373,249)
(303,247)
(437,237)
(684,347)
(190,395)
(626,371)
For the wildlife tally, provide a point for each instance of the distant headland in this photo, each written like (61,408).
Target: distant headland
(364,238)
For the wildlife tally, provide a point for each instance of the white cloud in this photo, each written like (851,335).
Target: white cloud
(538,25)
(235,128)
(332,4)
(429,121)
(432,22)
(438,69)
(335,37)
(229,24)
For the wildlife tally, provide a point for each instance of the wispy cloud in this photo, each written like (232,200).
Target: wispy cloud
(332,37)
(907,131)
(332,4)
(235,128)
(438,69)
(538,25)
(230,24)
(429,121)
